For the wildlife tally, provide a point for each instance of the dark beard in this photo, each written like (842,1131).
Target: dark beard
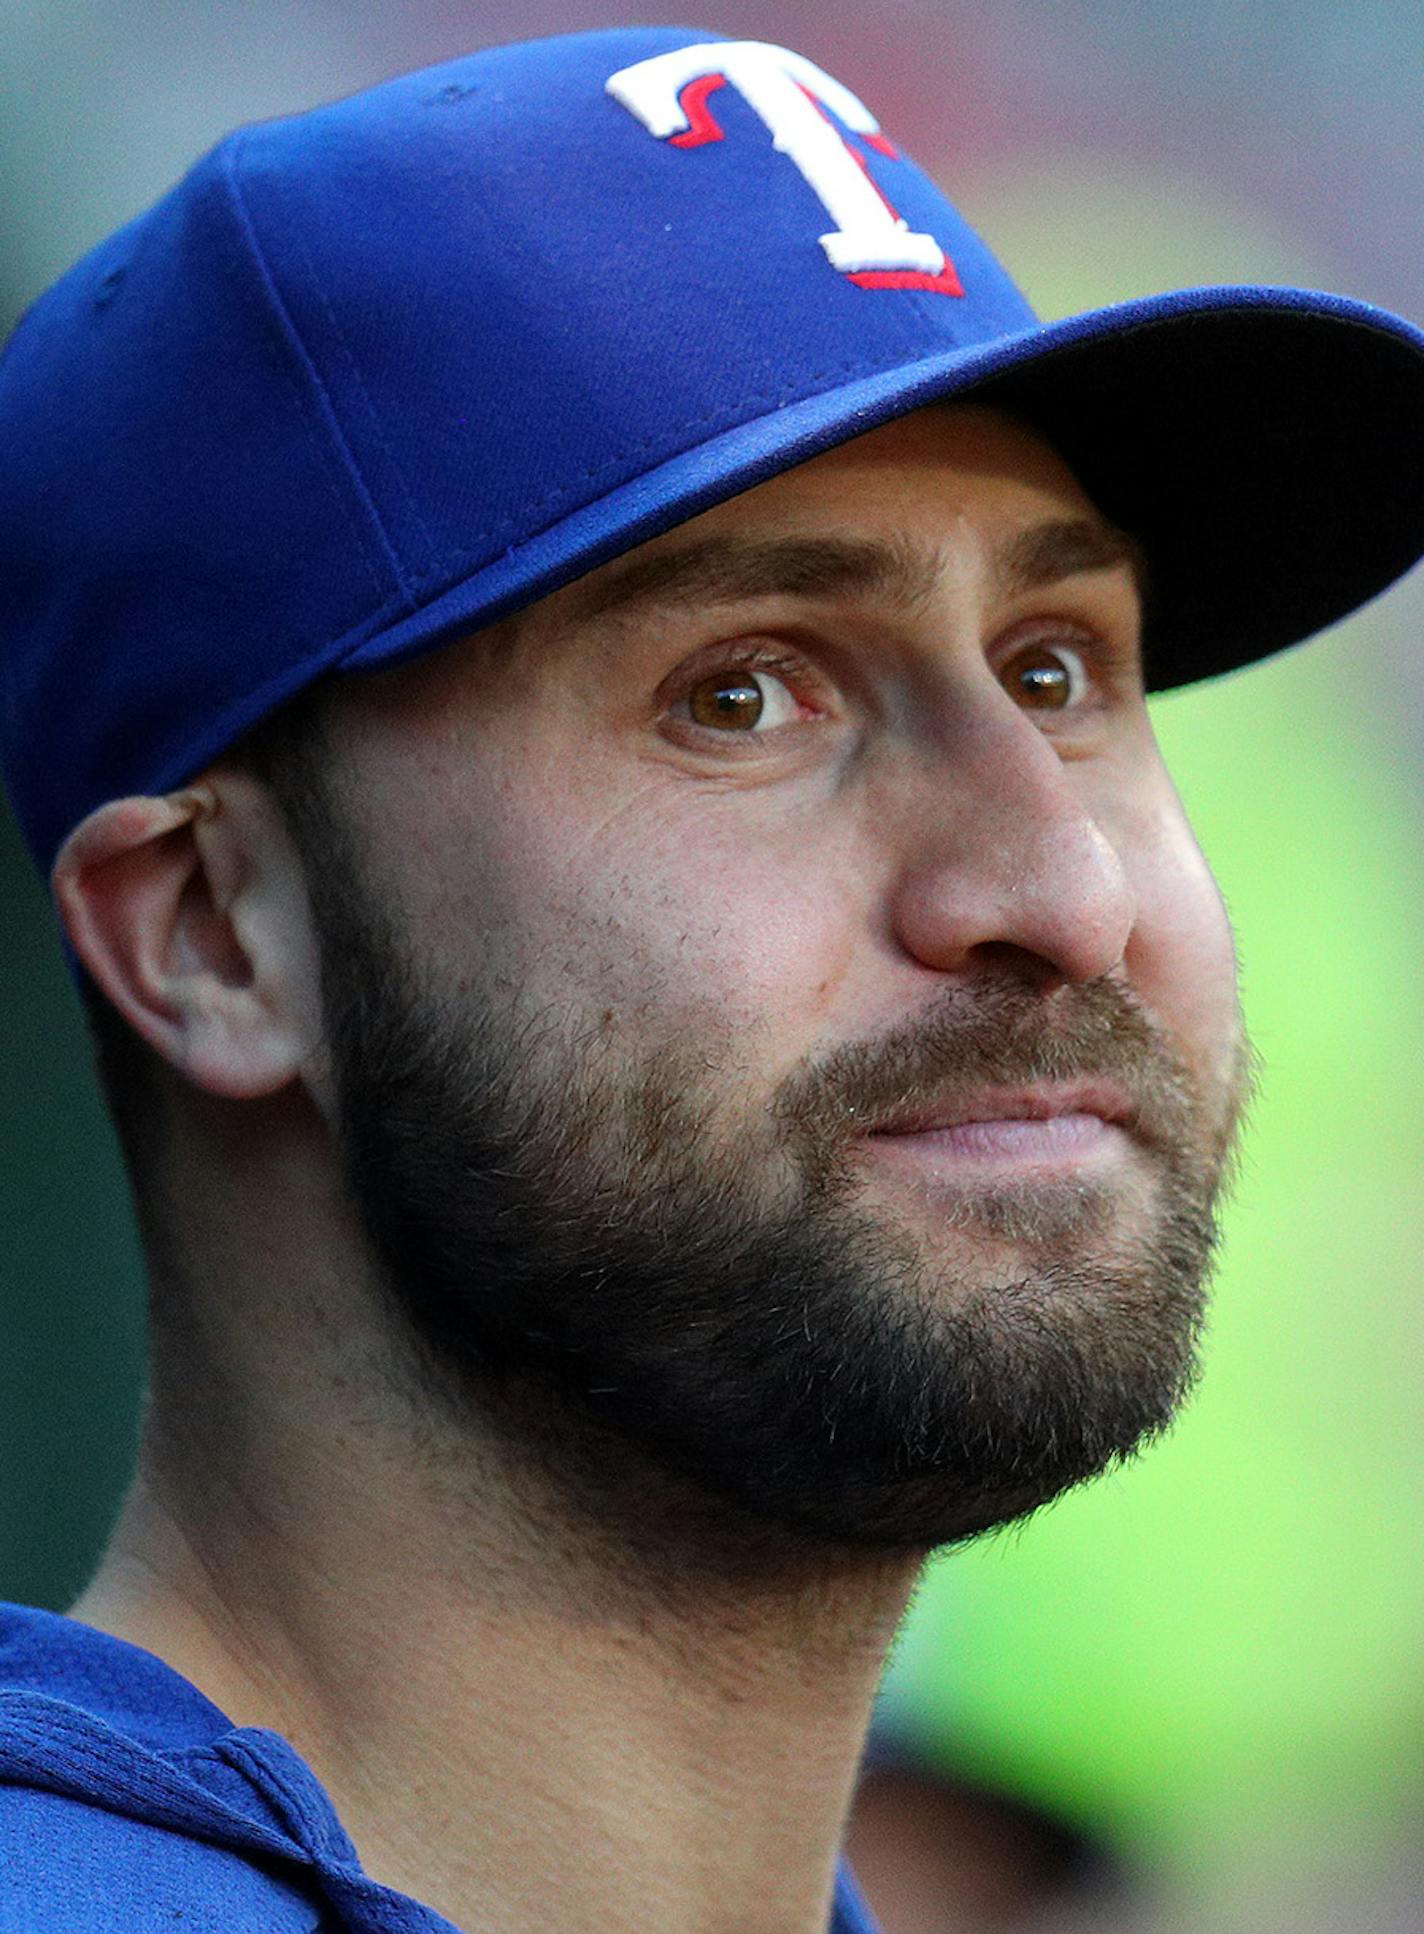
(566,1216)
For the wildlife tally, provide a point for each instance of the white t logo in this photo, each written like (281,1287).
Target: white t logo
(870,243)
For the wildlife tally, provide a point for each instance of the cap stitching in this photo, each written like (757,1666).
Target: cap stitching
(749,400)
(228,156)
(296,238)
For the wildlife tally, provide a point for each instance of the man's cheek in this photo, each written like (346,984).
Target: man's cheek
(736,952)
(1182,961)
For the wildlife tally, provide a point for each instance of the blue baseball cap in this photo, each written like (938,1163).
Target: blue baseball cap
(373,376)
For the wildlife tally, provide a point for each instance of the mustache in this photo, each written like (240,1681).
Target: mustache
(991,1035)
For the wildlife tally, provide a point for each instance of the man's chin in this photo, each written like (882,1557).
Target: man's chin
(990,1214)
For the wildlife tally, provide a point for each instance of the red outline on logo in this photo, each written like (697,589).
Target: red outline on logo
(693,102)
(947,282)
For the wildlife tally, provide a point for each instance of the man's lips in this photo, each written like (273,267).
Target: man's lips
(1038,1102)
(1038,1127)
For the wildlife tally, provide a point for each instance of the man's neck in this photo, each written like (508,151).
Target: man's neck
(523,1718)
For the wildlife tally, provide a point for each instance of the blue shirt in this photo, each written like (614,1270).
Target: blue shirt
(129,1803)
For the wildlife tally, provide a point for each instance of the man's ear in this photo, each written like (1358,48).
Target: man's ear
(190,913)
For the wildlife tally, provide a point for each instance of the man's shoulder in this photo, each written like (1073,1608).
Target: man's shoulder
(68,1866)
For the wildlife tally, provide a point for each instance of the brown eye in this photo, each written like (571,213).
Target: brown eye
(740,701)
(1044,678)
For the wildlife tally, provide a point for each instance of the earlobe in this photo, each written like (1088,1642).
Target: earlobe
(148,890)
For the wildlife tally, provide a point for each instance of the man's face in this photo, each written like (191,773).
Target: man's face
(777,1005)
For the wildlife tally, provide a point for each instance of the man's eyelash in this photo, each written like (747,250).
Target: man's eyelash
(798,673)
(785,664)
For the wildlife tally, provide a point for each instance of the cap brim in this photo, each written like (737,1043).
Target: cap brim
(1264,446)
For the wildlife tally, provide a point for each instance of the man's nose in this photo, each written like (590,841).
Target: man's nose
(1000,850)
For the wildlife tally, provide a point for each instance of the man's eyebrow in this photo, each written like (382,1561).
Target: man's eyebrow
(1045,553)
(728,569)
(722,570)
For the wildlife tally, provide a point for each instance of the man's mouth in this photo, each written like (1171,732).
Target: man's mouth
(1044,1124)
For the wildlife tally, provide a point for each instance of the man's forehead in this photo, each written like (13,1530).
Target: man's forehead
(878,516)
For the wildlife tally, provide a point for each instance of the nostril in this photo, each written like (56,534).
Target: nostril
(1013,963)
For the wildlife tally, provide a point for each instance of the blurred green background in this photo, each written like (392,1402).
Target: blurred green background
(1214,1660)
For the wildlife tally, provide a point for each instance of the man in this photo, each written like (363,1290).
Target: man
(578,659)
